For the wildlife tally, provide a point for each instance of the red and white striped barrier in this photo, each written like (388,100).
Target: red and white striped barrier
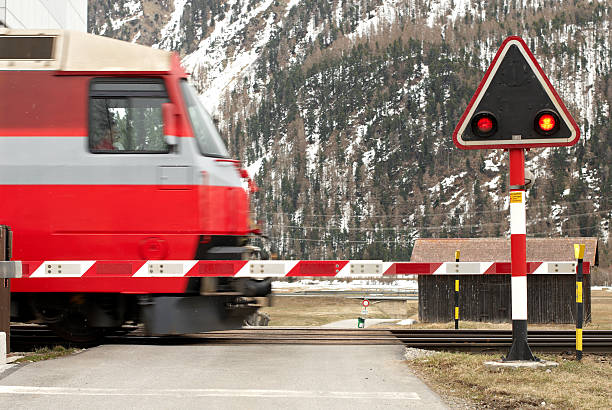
(277,268)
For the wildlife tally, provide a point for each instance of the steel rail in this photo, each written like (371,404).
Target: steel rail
(595,341)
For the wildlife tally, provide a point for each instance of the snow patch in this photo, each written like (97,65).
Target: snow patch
(368,156)
(133,6)
(491,164)
(385,14)
(365,284)
(132,11)
(291,4)
(451,9)
(254,168)
(312,153)
(447,182)
(171,32)
(213,67)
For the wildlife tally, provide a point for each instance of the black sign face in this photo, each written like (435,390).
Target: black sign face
(515,106)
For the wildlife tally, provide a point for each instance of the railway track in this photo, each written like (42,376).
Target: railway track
(371,294)
(476,340)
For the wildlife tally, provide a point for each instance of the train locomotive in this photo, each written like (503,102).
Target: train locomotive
(110,167)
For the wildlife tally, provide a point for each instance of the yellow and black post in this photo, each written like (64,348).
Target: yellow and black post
(579,254)
(457,253)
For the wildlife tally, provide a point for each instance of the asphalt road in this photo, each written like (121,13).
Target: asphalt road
(219,377)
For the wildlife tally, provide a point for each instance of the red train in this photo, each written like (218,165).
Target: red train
(106,154)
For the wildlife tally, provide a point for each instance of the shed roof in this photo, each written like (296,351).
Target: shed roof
(498,249)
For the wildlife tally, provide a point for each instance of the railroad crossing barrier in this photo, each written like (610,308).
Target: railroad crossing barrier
(107,270)
(170,275)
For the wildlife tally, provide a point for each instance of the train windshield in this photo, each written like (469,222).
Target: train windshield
(204,129)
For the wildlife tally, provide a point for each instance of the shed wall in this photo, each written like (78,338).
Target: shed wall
(487,298)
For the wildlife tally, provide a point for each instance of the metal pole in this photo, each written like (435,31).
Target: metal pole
(579,254)
(457,254)
(5,288)
(518,248)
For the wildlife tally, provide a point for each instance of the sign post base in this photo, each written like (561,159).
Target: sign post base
(520,349)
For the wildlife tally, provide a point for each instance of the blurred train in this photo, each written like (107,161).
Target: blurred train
(107,155)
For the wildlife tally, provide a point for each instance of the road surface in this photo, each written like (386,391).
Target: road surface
(220,377)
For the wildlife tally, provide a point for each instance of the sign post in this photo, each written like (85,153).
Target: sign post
(5,295)
(7,270)
(579,254)
(457,254)
(515,107)
(518,249)
(361,320)
(365,305)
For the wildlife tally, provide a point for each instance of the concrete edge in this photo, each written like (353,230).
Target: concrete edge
(520,364)
(2,348)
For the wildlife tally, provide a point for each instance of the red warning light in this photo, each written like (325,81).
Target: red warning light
(484,124)
(546,123)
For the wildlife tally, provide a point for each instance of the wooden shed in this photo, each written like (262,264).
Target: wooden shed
(486,298)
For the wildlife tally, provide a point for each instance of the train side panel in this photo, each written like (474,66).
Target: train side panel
(66,201)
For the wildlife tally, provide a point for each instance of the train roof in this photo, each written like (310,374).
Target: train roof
(74,51)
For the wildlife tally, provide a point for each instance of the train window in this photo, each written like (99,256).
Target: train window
(123,87)
(26,47)
(126,117)
(204,129)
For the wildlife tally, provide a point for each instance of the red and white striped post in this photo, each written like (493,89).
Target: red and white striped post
(518,247)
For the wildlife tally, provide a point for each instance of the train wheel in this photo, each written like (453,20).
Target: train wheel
(66,315)
(74,327)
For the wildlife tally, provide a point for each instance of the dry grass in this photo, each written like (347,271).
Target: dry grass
(464,324)
(586,384)
(46,353)
(317,311)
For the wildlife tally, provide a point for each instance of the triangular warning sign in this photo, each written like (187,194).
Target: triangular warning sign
(515,106)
